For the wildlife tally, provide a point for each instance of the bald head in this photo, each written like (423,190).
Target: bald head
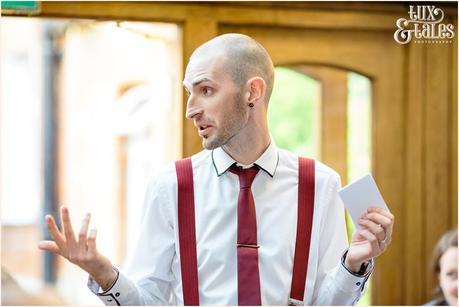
(244,58)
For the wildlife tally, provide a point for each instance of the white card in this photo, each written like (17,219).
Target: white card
(359,195)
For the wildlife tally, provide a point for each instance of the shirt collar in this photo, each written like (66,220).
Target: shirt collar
(267,161)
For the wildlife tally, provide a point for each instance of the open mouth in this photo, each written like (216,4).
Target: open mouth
(204,129)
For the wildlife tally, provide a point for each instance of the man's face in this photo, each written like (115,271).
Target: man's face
(215,103)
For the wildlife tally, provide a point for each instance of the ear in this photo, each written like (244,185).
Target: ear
(256,90)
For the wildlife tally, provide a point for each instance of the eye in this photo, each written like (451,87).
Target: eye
(452,274)
(206,91)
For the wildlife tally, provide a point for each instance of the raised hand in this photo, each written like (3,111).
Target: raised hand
(372,239)
(81,251)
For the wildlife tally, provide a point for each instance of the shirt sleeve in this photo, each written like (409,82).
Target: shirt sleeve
(148,269)
(335,284)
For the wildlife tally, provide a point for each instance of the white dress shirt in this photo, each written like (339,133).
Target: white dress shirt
(153,275)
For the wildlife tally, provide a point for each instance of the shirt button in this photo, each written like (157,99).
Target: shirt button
(358,283)
(117,294)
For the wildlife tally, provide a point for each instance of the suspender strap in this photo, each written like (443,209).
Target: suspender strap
(306,189)
(187,232)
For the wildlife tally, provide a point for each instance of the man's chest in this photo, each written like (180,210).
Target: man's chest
(216,212)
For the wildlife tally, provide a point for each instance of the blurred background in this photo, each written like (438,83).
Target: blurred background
(92,106)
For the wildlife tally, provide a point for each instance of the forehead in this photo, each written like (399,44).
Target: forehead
(205,67)
(449,258)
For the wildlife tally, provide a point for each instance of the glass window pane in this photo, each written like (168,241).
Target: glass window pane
(358,141)
(21,106)
(359,126)
(293,113)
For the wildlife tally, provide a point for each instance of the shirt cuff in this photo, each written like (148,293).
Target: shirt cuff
(118,294)
(349,281)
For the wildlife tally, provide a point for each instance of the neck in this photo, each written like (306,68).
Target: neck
(249,144)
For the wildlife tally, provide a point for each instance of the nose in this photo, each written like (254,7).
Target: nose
(193,108)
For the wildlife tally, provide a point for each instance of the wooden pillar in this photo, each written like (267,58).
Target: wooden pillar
(453,113)
(414,257)
(388,170)
(437,173)
(333,139)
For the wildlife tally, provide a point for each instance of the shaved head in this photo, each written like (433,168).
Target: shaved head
(244,58)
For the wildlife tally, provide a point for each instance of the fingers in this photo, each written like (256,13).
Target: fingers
(384,212)
(376,229)
(82,251)
(83,234)
(378,218)
(49,246)
(371,238)
(68,230)
(92,251)
(56,235)
(381,217)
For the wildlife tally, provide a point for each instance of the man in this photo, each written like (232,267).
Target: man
(229,81)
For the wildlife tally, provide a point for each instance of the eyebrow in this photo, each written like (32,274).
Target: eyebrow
(197,82)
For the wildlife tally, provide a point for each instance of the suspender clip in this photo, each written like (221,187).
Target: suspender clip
(294,302)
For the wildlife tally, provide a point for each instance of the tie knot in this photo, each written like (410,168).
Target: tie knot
(246,175)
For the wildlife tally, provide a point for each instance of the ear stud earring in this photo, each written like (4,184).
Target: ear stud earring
(251,104)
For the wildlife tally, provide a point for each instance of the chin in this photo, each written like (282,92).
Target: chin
(210,143)
(452,301)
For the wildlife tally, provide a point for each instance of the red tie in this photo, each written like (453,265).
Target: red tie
(248,277)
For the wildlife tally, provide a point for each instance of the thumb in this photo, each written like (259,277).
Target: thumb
(49,246)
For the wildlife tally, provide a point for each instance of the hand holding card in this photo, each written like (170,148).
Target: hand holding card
(372,218)
(359,195)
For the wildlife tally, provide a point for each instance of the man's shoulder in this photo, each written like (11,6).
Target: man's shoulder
(167,174)
(322,170)
(202,158)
